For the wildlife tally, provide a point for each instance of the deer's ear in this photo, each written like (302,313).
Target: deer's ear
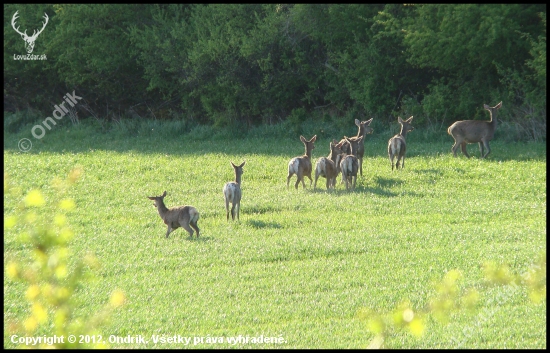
(313,138)
(485,106)
(410,119)
(399,120)
(357,122)
(368,122)
(242,164)
(164,194)
(303,139)
(151,198)
(498,106)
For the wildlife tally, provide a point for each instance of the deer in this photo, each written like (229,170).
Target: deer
(364,129)
(301,166)
(349,164)
(397,146)
(175,217)
(472,131)
(232,192)
(329,167)
(29,41)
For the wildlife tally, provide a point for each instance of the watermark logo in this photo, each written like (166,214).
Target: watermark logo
(29,40)
(60,110)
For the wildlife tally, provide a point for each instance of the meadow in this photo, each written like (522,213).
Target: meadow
(300,264)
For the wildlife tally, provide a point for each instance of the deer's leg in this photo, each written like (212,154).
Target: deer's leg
(481,148)
(185,226)
(238,210)
(227,208)
(233,211)
(168,231)
(455,147)
(361,166)
(195,227)
(288,178)
(463,148)
(486,144)
(316,177)
(300,178)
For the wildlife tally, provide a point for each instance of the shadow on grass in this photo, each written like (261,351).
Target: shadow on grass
(381,187)
(387,182)
(160,140)
(260,209)
(200,239)
(261,224)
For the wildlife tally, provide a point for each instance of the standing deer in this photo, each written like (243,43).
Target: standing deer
(232,192)
(349,164)
(472,131)
(396,145)
(364,129)
(301,166)
(329,167)
(180,216)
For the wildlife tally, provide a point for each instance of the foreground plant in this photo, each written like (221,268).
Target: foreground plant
(451,299)
(52,279)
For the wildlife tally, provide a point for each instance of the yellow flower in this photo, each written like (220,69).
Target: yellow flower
(417,327)
(66,234)
(34,198)
(60,220)
(12,270)
(39,313)
(117,298)
(32,292)
(67,204)
(30,324)
(10,221)
(60,317)
(61,271)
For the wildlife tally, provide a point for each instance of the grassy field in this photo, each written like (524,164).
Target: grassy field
(300,264)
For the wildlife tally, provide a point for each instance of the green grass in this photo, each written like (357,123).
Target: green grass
(300,264)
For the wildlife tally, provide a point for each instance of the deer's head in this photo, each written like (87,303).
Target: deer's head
(159,200)
(364,127)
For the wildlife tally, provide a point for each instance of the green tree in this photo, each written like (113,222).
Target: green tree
(91,54)
(465,44)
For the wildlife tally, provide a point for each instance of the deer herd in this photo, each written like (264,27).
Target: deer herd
(345,156)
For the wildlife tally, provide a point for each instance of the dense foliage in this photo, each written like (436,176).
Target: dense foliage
(227,64)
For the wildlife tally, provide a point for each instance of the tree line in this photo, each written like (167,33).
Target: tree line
(220,64)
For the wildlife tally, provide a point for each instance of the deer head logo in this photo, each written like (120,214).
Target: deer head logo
(29,41)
